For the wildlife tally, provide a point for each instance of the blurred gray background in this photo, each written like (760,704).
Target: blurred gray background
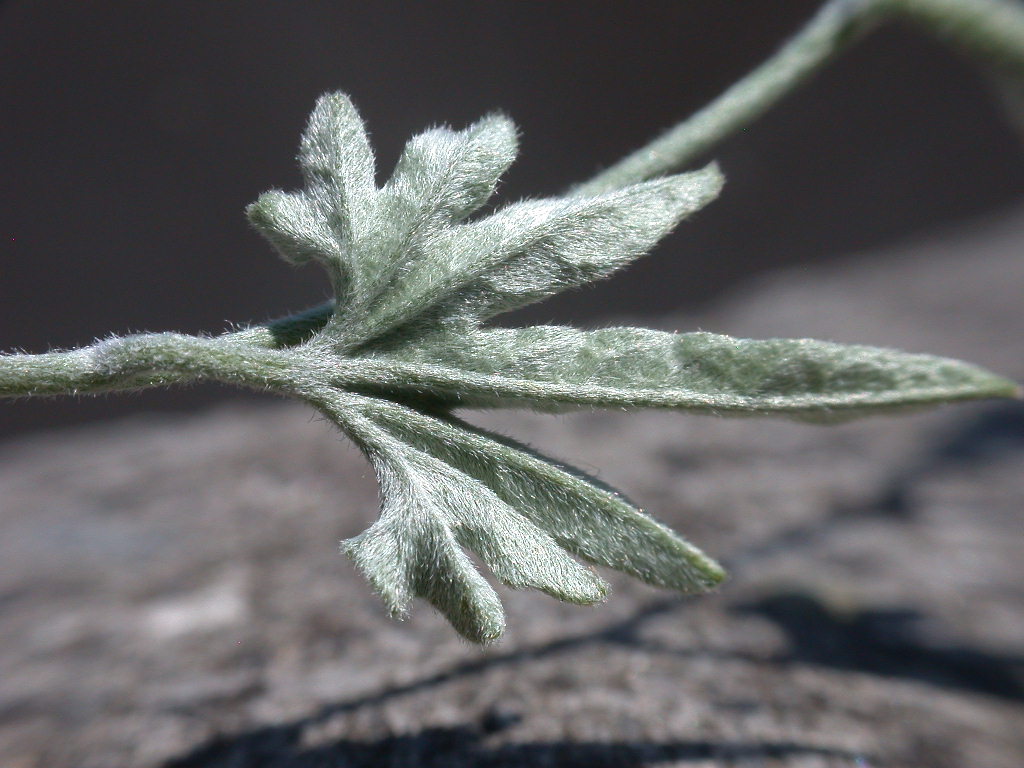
(133,134)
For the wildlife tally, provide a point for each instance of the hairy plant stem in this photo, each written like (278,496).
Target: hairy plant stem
(261,357)
(141,361)
(268,357)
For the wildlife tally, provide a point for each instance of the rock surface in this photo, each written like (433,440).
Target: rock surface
(172,596)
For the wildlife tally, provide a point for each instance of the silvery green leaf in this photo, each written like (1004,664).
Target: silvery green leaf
(582,515)
(530,250)
(338,166)
(441,177)
(325,221)
(402,345)
(297,230)
(444,175)
(430,509)
(554,368)
(401,262)
(409,554)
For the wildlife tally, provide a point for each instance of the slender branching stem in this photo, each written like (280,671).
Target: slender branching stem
(259,357)
(990,29)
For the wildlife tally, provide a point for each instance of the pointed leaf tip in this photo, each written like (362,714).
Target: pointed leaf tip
(444,175)
(338,164)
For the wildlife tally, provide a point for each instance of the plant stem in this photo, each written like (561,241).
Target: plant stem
(141,361)
(990,29)
(259,357)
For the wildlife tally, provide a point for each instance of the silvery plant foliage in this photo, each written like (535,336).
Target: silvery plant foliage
(416,275)
(418,272)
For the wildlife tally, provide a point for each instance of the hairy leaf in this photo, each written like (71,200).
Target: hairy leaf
(554,368)
(403,261)
(444,175)
(584,516)
(297,229)
(528,251)
(429,510)
(402,345)
(441,178)
(338,166)
(328,220)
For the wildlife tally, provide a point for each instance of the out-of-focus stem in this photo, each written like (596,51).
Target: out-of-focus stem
(992,30)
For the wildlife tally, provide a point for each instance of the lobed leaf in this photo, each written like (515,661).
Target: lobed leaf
(326,221)
(401,261)
(531,250)
(430,509)
(583,516)
(443,175)
(401,345)
(408,554)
